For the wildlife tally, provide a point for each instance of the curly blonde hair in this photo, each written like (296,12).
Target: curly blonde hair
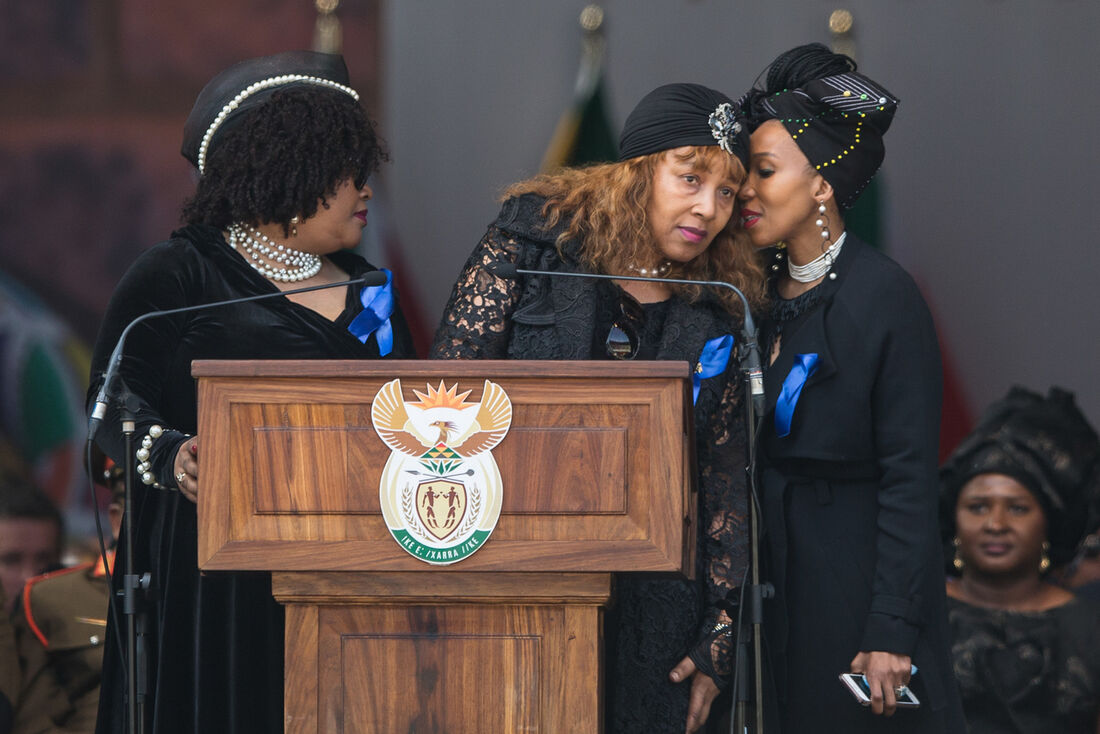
(606,206)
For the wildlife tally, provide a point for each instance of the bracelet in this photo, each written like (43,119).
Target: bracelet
(145,468)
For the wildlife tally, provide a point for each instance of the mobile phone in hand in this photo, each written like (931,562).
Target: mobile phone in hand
(857,684)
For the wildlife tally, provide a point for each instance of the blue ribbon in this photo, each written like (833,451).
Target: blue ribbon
(804,367)
(374,319)
(712,362)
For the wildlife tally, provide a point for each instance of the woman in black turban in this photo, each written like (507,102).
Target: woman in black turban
(1026,652)
(663,209)
(283,150)
(850,438)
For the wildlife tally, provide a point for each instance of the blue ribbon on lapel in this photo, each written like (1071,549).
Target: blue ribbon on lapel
(712,362)
(374,319)
(804,367)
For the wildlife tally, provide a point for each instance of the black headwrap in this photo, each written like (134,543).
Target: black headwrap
(1043,443)
(268,74)
(836,116)
(676,115)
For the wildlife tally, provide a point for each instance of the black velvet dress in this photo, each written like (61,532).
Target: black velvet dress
(215,652)
(1027,672)
(655,621)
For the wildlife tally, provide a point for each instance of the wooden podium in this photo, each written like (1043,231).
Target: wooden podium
(597,478)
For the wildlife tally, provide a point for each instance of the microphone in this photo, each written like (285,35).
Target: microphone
(367,280)
(752,367)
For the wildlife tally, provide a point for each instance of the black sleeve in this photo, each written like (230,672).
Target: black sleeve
(905,405)
(160,279)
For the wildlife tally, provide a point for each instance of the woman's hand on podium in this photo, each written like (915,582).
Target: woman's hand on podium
(186,468)
(703,692)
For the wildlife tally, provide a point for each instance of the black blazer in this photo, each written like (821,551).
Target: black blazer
(865,429)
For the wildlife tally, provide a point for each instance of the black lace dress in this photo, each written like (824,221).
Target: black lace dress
(655,621)
(1027,672)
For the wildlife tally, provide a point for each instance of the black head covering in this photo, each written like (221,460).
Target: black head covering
(682,114)
(836,116)
(1045,444)
(227,85)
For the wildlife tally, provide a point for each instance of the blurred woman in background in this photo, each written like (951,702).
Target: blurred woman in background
(1026,652)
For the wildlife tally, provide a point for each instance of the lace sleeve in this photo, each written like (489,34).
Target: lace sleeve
(476,323)
(724,524)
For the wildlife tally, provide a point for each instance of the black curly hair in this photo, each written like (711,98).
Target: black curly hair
(284,158)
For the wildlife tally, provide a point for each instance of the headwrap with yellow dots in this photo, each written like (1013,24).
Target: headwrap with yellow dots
(837,120)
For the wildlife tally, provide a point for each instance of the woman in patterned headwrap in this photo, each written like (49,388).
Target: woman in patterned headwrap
(849,441)
(1026,652)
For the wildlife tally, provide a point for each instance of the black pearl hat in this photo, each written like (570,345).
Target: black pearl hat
(247,85)
(837,120)
(675,115)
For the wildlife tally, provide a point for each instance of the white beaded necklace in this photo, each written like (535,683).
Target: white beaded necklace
(817,267)
(261,252)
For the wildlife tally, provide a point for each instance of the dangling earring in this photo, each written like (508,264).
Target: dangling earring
(823,222)
(1044,559)
(958,561)
(294,225)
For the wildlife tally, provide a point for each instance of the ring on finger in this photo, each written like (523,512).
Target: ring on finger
(180,477)
(901,691)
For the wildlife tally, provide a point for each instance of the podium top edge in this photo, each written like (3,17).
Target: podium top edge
(408,368)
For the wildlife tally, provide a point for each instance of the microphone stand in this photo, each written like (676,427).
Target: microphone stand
(756,592)
(134,587)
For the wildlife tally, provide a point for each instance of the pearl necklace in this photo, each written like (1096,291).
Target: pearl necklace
(817,267)
(262,252)
(658,271)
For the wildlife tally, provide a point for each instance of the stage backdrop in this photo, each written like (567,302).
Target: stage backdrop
(988,193)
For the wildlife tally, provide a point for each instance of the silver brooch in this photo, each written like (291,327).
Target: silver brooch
(724,126)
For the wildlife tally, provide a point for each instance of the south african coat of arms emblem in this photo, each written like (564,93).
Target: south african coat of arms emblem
(441,490)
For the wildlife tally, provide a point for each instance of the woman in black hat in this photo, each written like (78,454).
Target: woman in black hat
(663,209)
(1026,652)
(283,149)
(849,442)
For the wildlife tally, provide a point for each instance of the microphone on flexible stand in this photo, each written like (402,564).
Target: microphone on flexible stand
(133,585)
(753,370)
(103,397)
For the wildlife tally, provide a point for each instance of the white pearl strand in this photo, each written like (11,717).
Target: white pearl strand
(261,252)
(817,267)
(274,81)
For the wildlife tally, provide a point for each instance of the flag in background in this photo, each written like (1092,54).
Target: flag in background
(584,134)
(43,376)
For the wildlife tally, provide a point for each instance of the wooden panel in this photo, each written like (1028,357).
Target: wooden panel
(362,587)
(288,479)
(453,668)
(541,458)
(442,692)
(595,467)
(300,670)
